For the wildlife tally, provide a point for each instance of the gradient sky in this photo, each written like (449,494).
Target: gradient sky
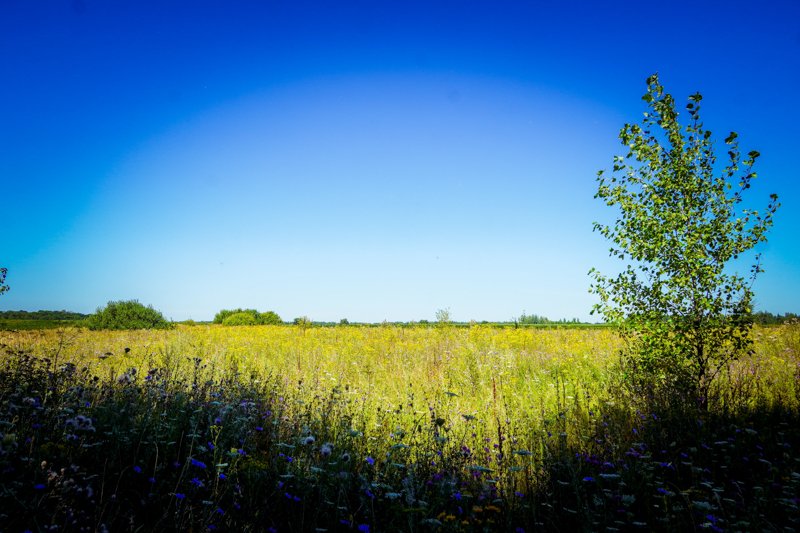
(374,160)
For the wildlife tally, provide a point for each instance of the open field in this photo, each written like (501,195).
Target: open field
(383,429)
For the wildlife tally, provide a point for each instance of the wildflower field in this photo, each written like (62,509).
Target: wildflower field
(435,428)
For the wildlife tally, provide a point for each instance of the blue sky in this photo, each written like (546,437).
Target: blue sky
(369,160)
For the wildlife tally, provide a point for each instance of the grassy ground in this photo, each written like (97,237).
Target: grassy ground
(383,429)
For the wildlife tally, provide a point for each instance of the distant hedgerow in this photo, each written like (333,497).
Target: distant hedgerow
(129,314)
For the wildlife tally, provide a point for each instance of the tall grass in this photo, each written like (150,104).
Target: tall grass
(382,429)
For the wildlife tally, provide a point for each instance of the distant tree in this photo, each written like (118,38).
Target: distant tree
(768,319)
(532,319)
(269,318)
(128,314)
(240,319)
(220,317)
(443,316)
(681,310)
(42,315)
(303,321)
(344,322)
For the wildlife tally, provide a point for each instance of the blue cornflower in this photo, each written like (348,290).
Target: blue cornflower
(196,482)
(588,479)
(222,476)
(198,464)
(370,461)
(40,486)
(180,495)
(363,528)
(137,469)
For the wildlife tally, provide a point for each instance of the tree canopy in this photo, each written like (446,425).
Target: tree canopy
(679,303)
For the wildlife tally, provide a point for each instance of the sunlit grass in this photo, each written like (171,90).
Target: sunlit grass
(387,428)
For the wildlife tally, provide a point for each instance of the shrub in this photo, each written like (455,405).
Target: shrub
(270,317)
(240,319)
(128,314)
(220,317)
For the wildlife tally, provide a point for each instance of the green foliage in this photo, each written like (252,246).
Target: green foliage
(129,314)
(766,318)
(3,286)
(220,317)
(240,319)
(680,226)
(41,315)
(443,316)
(270,317)
(532,319)
(302,321)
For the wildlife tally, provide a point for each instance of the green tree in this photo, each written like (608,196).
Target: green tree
(679,303)
(220,317)
(128,314)
(270,318)
(302,321)
(240,319)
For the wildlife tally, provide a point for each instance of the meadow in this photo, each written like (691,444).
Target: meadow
(293,428)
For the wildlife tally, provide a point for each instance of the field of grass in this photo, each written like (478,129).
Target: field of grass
(285,428)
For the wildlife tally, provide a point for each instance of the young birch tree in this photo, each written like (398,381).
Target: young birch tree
(683,311)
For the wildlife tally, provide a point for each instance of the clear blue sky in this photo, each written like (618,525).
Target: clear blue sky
(375,160)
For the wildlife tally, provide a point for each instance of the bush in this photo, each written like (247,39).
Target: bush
(270,317)
(128,314)
(240,319)
(220,317)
